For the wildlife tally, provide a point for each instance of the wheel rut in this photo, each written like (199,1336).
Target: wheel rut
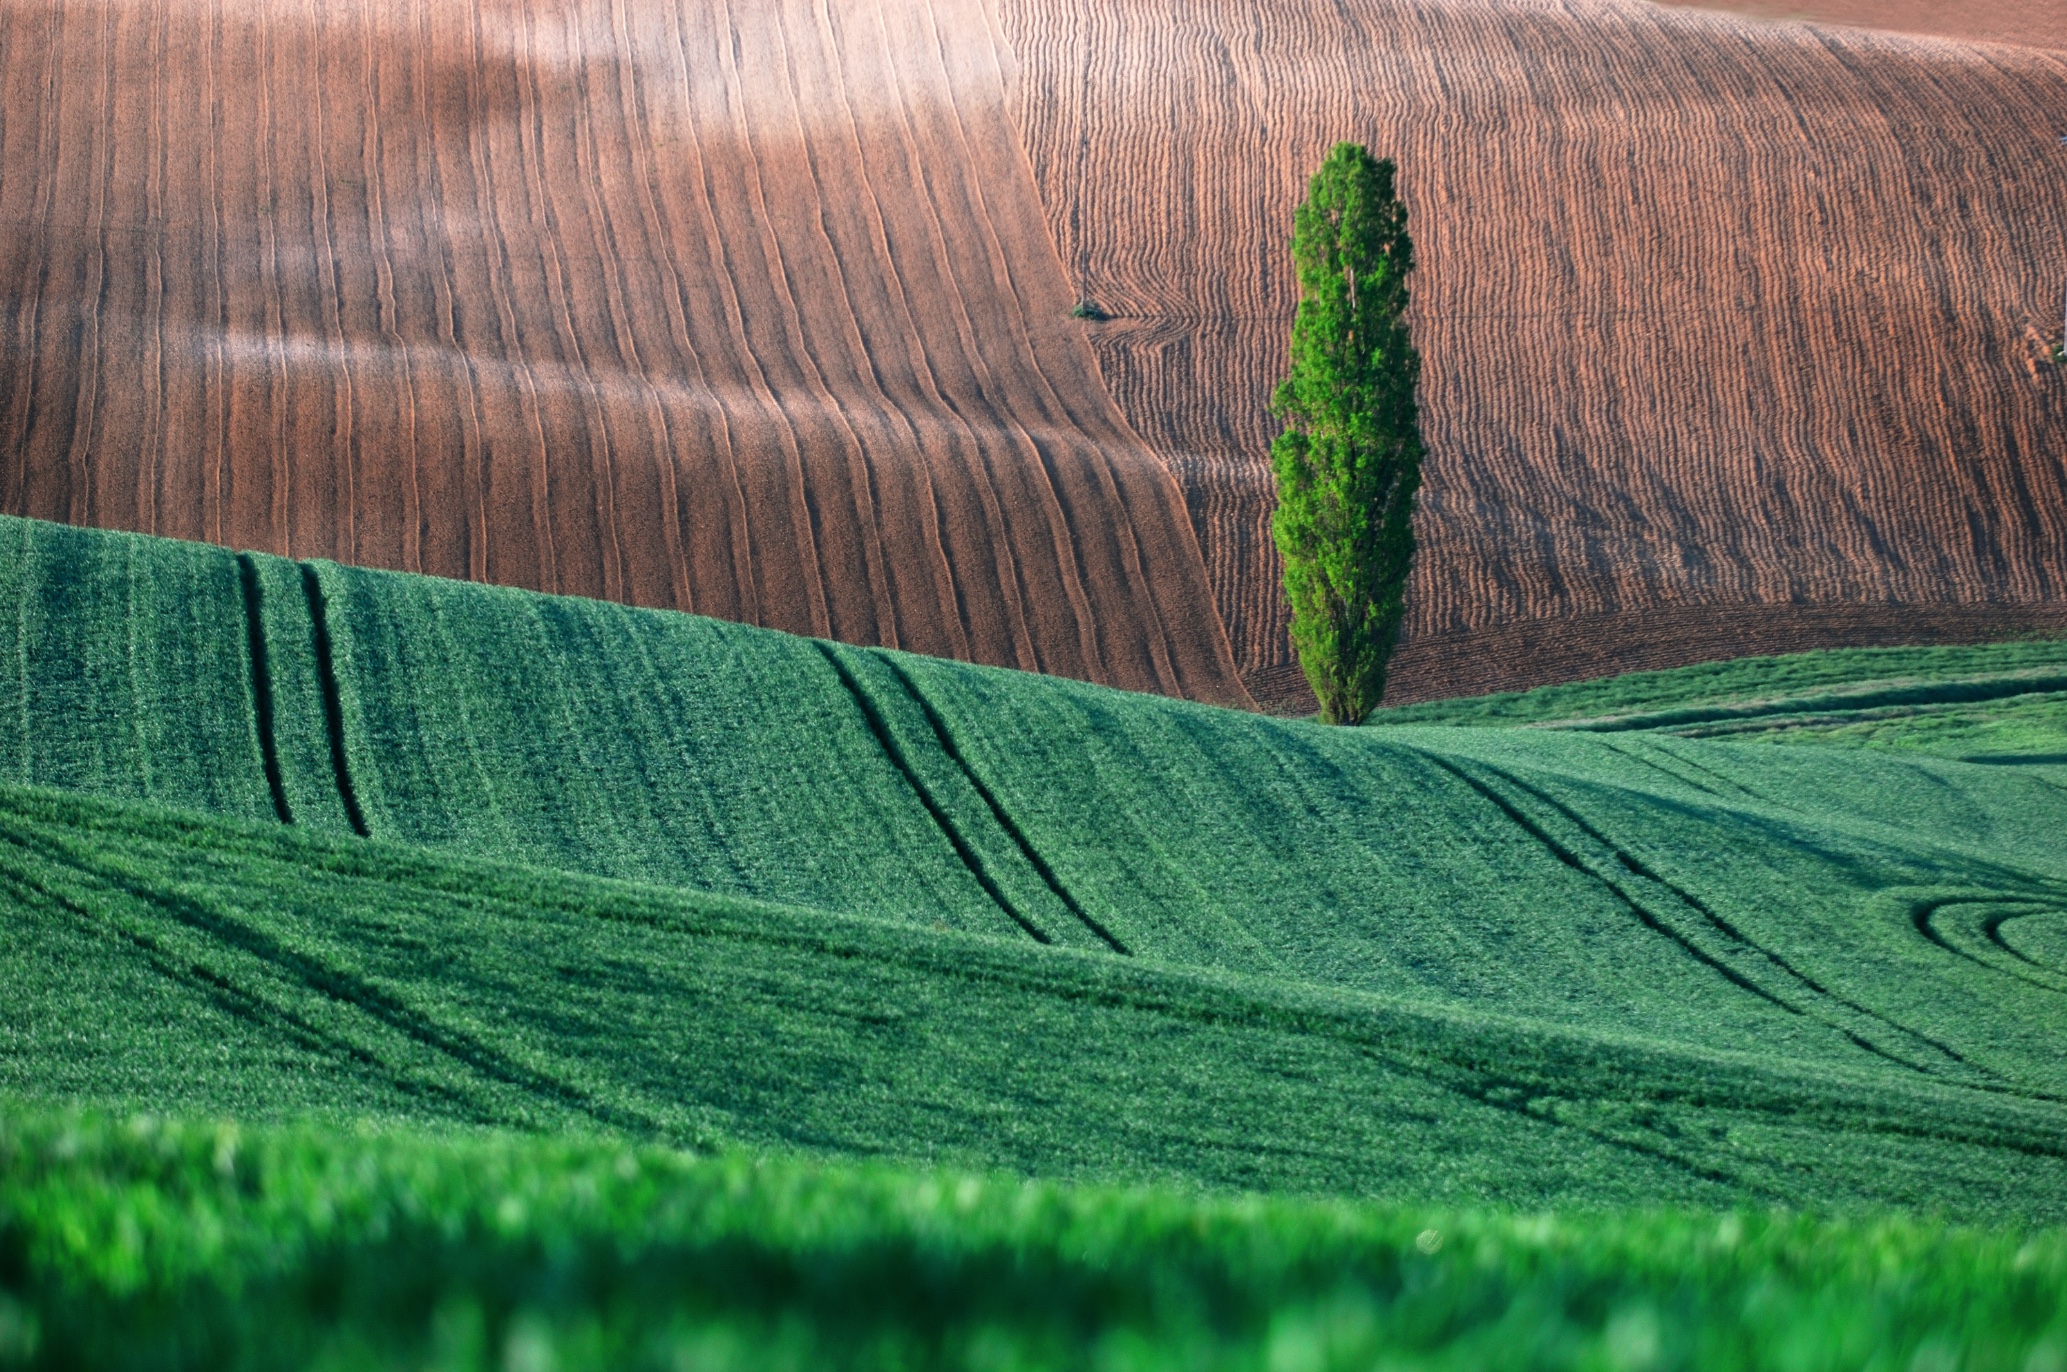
(1003,817)
(314,976)
(892,749)
(1717,943)
(333,700)
(262,684)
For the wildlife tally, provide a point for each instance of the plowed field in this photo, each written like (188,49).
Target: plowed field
(1733,329)
(2031,23)
(742,309)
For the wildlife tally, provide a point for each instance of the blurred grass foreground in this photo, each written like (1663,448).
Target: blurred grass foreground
(149,1243)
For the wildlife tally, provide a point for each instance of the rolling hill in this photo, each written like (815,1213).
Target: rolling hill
(1734,329)
(932,910)
(2028,23)
(410,969)
(745,310)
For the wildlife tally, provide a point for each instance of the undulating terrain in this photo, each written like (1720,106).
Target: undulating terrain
(639,649)
(746,310)
(2027,23)
(377,942)
(965,913)
(1735,331)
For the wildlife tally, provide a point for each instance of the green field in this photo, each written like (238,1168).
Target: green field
(520,882)
(1995,702)
(216,1245)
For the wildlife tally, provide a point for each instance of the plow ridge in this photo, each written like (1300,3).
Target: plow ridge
(747,310)
(1667,258)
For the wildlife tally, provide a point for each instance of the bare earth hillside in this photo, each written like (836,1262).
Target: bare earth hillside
(747,309)
(1733,330)
(2032,23)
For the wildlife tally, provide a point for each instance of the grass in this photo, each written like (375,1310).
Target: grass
(519,883)
(181,1245)
(197,968)
(129,672)
(1992,700)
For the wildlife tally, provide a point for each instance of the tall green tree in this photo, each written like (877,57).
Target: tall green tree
(1349,460)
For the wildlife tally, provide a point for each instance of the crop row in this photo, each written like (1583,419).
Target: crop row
(194,966)
(1699,892)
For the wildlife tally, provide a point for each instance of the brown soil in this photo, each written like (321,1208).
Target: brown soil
(1717,315)
(760,310)
(742,308)
(2032,23)
(1516,657)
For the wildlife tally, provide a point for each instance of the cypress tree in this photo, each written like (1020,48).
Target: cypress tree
(1349,460)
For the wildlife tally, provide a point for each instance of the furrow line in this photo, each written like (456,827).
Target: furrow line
(333,699)
(880,727)
(262,685)
(997,809)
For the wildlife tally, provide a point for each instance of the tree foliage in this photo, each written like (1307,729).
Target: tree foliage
(1349,460)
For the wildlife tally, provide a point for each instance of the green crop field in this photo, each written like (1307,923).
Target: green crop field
(402,1247)
(453,901)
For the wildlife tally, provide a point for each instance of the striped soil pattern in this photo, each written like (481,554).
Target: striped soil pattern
(747,309)
(1733,330)
(2030,23)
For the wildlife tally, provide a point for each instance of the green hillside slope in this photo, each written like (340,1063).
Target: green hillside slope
(1799,900)
(547,967)
(1997,702)
(208,967)
(1868,926)
(129,672)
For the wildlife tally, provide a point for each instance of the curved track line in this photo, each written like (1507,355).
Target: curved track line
(333,983)
(262,685)
(971,859)
(1657,924)
(333,700)
(997,809)
(1729,930)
